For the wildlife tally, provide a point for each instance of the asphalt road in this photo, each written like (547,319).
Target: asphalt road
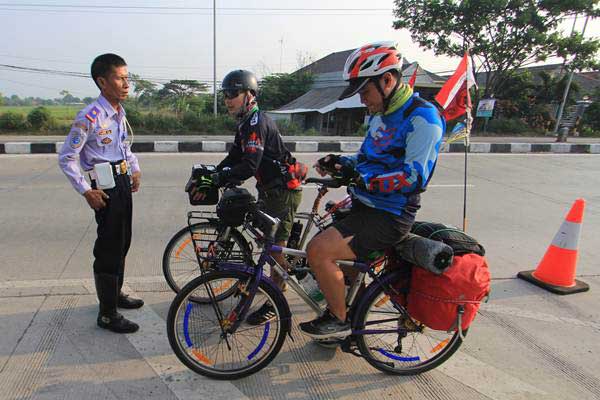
(525,344)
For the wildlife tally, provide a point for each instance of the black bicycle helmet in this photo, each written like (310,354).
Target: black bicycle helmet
(240,80)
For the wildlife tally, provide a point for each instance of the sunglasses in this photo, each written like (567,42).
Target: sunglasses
(231,93)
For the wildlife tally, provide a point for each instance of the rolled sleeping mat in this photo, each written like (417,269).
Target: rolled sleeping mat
(429,254)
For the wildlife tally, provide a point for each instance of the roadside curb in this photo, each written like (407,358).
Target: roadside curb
(212,146)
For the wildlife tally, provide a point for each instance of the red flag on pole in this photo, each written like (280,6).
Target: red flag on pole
(454,95)
(413,78)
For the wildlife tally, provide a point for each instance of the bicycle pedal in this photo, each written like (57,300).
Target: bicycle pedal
(348,345)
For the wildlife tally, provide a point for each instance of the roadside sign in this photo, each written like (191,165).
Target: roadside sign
(485,108)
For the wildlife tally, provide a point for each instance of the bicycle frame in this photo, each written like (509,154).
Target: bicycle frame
(240,311)
(313,218)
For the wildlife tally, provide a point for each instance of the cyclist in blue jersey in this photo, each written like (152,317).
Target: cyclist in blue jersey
(386,176)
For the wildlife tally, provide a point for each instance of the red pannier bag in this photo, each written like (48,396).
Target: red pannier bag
(441,301)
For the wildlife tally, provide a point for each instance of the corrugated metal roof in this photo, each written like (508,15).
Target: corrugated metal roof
(424,78)
(333,62)
(314,99)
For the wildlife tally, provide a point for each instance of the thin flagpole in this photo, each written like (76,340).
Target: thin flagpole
(468,130)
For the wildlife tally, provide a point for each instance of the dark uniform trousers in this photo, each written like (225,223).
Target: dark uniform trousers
(114,229)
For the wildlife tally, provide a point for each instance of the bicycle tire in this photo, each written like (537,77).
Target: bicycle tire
(196,338)
(179,251)
(420,350)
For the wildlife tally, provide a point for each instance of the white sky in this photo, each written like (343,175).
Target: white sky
(158,44)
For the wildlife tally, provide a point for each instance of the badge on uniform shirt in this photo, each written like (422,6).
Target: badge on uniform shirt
(92,114)
(103,132)
(254,119)
(106,140)
(76,141)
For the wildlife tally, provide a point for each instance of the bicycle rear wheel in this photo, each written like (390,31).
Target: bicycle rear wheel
(195,334)
(407,348)
(179,261)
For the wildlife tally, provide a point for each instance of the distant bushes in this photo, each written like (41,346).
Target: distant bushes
(288,128)
(512,125)
(12,121)
(40,120)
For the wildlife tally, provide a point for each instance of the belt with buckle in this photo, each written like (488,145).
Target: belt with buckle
(120,167)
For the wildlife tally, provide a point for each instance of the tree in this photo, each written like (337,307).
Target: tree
(14,101)
(144,90)
(551,88)
(503,34)
(178,92)
(68,98)
(591,116)
(533,100)
(279,89)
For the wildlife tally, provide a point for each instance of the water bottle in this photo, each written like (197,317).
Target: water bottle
(294,239)
(311,287)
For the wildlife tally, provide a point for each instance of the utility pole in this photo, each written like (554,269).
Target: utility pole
(215,56)
(281,55)
(566,92)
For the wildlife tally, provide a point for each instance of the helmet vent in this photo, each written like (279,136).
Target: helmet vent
(382,59)
(366,65)
(351,67)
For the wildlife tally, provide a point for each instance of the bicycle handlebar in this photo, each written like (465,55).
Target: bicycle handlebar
(327,182)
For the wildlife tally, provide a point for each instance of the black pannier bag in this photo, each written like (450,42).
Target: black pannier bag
(431,255)
(234,205)
(200,179)
(460,242)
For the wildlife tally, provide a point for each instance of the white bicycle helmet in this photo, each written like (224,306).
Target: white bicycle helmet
(368,61)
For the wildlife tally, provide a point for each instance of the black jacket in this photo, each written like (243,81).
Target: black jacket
(258,150)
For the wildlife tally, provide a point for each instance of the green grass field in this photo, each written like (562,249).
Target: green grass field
(61,113)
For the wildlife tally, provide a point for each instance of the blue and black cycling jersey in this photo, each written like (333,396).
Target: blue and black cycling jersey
(398,155)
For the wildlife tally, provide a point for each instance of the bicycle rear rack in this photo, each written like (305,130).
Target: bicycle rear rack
(208,215)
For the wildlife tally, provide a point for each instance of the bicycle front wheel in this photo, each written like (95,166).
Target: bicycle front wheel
(179,261)
(196,337)
(396,344)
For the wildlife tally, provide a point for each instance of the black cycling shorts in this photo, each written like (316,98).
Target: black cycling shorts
(374,230)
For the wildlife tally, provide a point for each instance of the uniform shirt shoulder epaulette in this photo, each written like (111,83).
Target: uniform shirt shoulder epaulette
(89,114)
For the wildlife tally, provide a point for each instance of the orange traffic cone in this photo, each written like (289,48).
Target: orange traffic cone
(556,271)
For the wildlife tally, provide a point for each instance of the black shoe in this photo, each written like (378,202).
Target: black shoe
(125,301)
(265,313)
(327,326)
(117,323)
(107,288)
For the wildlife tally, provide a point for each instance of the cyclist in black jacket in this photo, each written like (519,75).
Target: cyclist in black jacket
(258,151)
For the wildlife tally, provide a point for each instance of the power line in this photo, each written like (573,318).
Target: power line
(41,87)
(97,6)
(45,71)
(155,80)
(178,67)
(191,13)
